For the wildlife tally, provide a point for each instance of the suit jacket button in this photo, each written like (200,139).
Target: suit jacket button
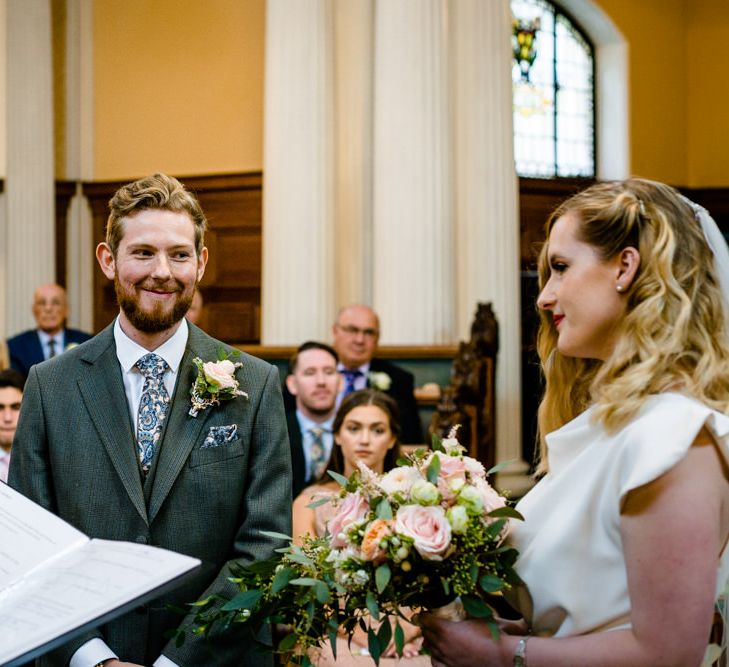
(142,539)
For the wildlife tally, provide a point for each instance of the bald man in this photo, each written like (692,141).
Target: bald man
(50,310)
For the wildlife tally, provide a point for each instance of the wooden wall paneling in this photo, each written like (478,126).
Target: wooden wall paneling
(64,192)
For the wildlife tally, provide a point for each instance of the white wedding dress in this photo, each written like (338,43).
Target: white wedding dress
(571,554)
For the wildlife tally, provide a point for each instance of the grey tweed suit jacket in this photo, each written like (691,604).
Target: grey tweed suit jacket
(75,454)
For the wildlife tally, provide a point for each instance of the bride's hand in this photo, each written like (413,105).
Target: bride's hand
(462,644)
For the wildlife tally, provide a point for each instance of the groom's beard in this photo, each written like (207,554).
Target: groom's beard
(158,318)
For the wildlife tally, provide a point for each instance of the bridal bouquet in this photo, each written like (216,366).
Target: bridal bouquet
(425,535)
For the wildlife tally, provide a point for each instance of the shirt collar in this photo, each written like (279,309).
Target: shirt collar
(128,352)
(364,368)
(46,337)
(307,424)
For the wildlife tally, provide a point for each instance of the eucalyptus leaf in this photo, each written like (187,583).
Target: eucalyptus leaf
(316,503)
(494,629)
(433,470)
(301,558)
(490,584)
(384,509)
(506,512)
(384,634)
(500,466)
(340,479)
(243,600)
(436,444)
(287,643)
(382,577)
(321,590)
(281,579)
(399,639)
(222,354)
(304,581)
(373,645)
(476,607)
(372,606)
(275,535)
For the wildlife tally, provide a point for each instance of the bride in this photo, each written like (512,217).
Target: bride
(623,543)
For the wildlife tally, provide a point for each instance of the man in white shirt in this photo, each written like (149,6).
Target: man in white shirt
(11,395)
(314,382)
(109,440)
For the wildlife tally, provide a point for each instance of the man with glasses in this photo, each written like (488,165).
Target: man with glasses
(356,333)
(50,310)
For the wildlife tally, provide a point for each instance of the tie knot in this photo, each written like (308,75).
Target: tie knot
(352,374)
(152,366)
(317,432)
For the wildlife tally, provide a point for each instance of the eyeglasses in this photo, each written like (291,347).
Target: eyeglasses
(356,331)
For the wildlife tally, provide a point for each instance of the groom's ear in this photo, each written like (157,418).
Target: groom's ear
(106,260)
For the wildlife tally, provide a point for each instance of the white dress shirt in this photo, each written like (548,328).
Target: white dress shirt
(59,341)
(4,465)
(128,352)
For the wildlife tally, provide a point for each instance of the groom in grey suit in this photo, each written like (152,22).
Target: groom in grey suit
(122,458)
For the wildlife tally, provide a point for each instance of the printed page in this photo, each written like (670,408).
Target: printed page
(79,588)
(29,536)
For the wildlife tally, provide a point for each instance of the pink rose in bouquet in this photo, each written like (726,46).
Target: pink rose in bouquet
(428,527)
(352,510)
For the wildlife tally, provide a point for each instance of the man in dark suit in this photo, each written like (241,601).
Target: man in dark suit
(356,334)
(107,439)
(314,382)
(50,310)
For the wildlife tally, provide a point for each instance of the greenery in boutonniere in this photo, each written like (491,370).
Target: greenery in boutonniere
(215,381)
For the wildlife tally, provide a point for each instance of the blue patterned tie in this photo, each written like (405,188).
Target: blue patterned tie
(152,407)
(349,378)
(318,453)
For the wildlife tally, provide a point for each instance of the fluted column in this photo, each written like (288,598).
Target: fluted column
(29,188)
(79,161)
(413,239)
(353,76)
(298,266)
(487,224)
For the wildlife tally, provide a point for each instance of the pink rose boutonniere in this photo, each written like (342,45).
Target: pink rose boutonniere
(215,382)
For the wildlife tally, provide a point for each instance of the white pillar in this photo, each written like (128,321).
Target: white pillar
(487,223)
(29,187)
(79,162)
(353,76)
(413,240)
(298,267)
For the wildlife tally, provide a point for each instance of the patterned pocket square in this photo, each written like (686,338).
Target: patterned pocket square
(220,435)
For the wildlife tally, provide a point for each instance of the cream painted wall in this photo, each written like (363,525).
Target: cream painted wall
(656,34)
(708,93)
(679,88)
(3,92)
(178,86)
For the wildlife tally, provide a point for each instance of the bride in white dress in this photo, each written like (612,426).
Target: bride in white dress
(623,543)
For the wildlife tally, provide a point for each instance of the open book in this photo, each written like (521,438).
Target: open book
(56,583)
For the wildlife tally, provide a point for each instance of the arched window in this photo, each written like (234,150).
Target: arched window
(553,77)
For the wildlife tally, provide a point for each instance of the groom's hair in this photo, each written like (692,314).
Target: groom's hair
(158,191)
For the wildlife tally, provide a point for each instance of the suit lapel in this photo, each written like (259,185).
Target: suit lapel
(102,391)
(184,430)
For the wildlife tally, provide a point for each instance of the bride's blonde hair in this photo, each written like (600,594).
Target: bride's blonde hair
(674,333)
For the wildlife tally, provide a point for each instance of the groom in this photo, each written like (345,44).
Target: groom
(106,441)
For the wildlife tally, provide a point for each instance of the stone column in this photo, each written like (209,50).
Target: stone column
(486,196)
(79,161)
(298,240)
(353,76)
(29,187)
(413,214)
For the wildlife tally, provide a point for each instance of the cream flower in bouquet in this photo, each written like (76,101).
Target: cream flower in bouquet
(424,535)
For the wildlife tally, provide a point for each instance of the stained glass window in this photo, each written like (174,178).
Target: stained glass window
(553,92)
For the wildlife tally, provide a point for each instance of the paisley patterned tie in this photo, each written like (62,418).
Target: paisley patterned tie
(350,377)
(152,407)
(318,453)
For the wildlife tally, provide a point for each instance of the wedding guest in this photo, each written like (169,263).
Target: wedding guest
(50,337)
(4,356)
(11,395)
(314,382)
(107,440)
(355,336)
(623,543)
(366,428)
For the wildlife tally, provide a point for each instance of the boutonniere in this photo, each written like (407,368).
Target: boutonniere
(215,382)
(70,346)
(381,381)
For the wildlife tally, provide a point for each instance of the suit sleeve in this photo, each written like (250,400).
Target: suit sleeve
(266,507)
